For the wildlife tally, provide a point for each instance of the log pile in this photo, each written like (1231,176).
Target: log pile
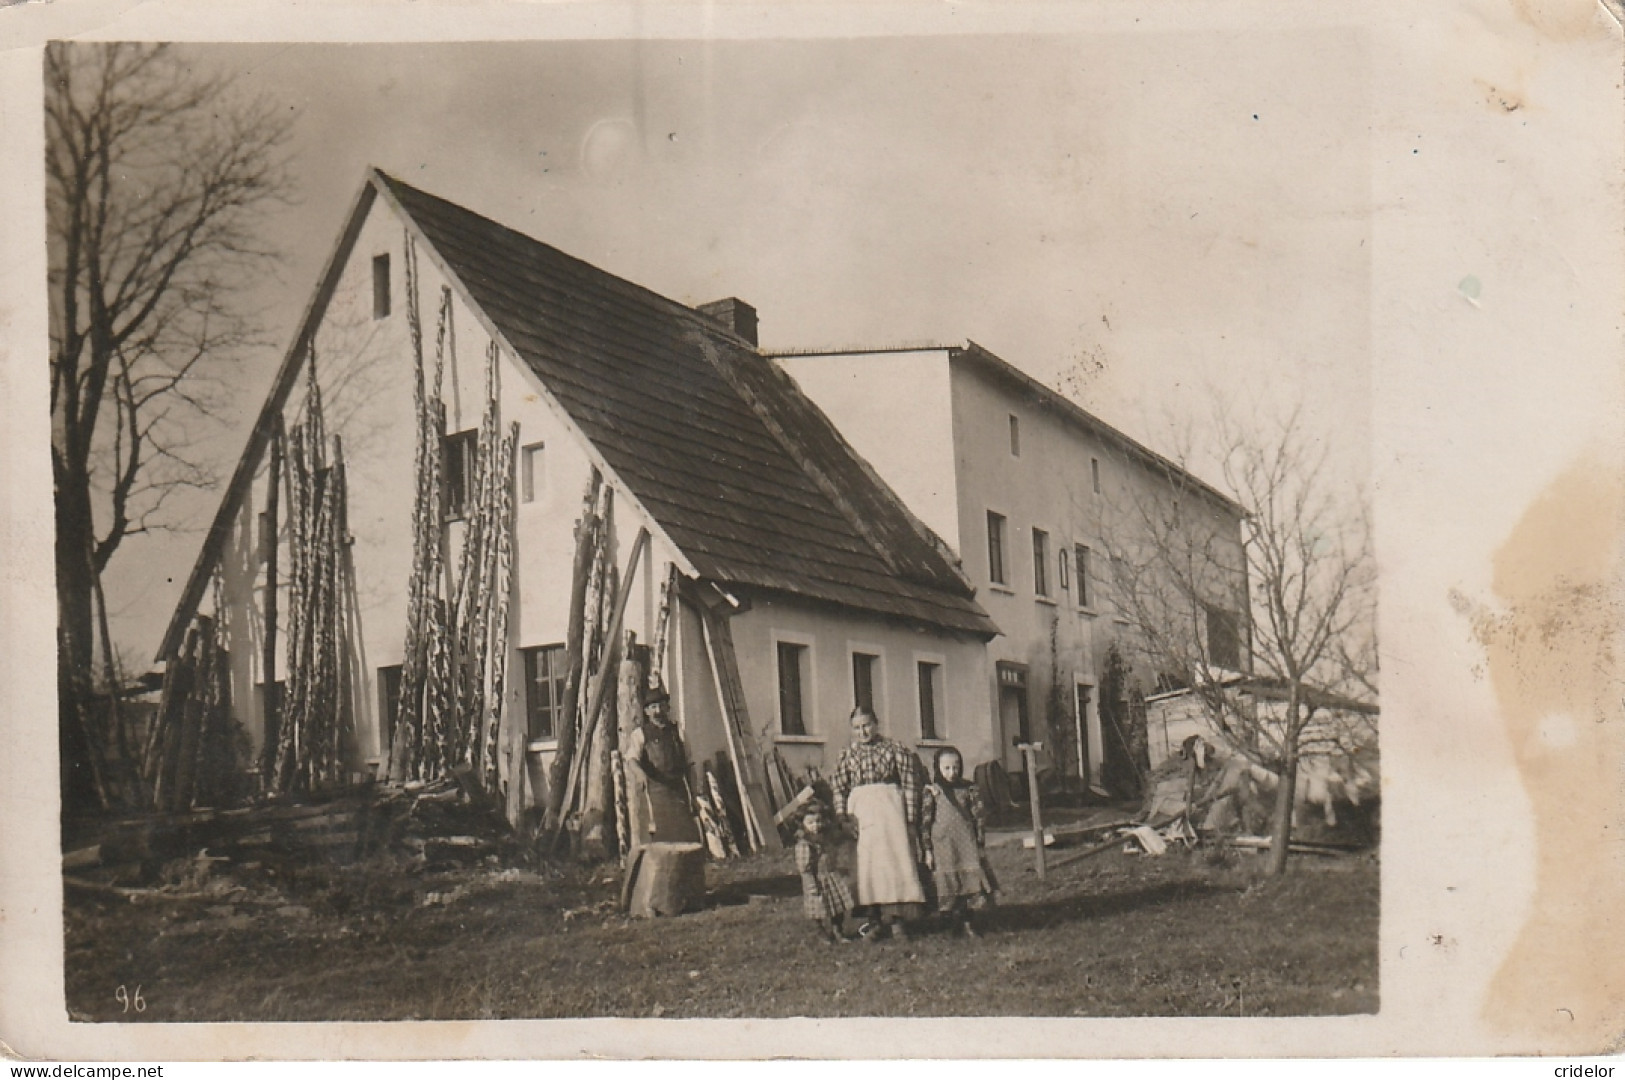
(454,665)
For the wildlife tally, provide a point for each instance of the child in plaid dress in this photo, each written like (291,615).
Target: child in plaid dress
(825,896)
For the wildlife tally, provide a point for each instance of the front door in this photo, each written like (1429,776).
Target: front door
(1014,723)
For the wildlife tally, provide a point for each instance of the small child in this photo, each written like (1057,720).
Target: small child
(825,896)
(953,816)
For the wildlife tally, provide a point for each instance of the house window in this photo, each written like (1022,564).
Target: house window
(458,452)
(1063,568)
(1040,562)
(930,680)
(1015,436)
(792,677)
(1080,555)
(531,471)
(380,286)
(544,690)
(389,702)
(863,679)
(1223,638)
(1094,474)
(995,547)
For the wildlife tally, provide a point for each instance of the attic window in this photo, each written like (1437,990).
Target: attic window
(380,286)
(1015,436)
(531,475)
(1094,474)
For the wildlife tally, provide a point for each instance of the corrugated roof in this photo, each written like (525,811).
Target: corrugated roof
(743,473)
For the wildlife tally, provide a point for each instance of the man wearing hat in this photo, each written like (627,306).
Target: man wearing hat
(657,799)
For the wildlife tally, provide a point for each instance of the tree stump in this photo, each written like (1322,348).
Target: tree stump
(669,879)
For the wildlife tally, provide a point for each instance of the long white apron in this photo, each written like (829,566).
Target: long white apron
(886,870)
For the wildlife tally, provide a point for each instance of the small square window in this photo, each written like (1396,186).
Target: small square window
(531,476)
(380,286)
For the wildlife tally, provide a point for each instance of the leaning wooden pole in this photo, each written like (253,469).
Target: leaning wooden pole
(586,547)
(271,704)
(604,678)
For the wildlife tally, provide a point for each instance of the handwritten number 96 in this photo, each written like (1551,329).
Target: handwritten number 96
(129,1000)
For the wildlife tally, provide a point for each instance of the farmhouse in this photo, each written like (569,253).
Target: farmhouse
(488,473)
(397,578)
(1035,493)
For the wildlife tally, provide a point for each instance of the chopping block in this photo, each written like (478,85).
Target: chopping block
(667,879)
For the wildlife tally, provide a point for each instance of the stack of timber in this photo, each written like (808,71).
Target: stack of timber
(191,756)
(453,673)
(586,772)
(436,825)
(316,716)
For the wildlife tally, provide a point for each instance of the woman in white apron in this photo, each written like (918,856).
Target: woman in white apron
(877,785)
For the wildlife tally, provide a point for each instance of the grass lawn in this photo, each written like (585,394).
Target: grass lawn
(1112,935)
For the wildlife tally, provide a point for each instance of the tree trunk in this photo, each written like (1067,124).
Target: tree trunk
(1281,833)
(81,779)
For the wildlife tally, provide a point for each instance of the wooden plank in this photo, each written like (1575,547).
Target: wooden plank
(719,647)
(607,672)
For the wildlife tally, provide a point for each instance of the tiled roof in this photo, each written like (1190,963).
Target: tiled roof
(740,470)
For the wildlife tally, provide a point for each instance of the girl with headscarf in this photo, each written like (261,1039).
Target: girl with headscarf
(952,814)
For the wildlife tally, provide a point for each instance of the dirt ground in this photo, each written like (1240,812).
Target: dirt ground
(1199,933)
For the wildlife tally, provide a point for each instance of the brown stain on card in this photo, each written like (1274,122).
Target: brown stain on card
(1553,655)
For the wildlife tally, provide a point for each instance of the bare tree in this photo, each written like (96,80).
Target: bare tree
(1282,600)
(157,177)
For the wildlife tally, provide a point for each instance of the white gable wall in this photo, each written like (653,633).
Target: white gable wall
(365,370)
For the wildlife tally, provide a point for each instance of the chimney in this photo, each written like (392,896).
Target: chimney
(733,313)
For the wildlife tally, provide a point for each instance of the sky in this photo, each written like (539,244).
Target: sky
(1151,220)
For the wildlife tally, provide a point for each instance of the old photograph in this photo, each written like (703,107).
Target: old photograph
(531,625)
(684,526)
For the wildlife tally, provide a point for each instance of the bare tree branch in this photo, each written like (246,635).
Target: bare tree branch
(158,179)
(1299,575)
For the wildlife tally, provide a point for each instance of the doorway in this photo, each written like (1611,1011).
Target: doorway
(1014,722)
(1086,750)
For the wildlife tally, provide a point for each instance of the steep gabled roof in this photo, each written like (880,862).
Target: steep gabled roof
(744,474)
(741,472)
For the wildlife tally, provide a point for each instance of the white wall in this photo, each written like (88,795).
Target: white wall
(895,410)
(832,637)
(365,369)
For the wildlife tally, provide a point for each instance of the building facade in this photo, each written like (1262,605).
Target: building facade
(1035,495)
